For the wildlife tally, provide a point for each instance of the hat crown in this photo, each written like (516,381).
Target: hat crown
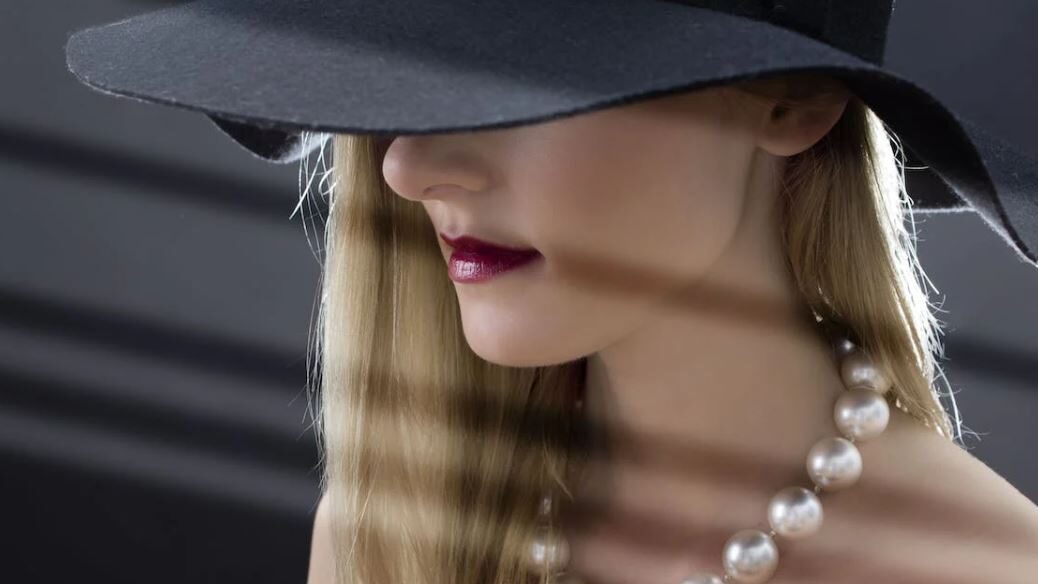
(858,27)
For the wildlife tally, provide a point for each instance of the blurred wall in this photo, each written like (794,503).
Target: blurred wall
(155,303)
(156,299)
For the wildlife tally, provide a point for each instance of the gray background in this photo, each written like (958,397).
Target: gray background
(156,299)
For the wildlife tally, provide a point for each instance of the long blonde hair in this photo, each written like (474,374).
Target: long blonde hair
(434,459)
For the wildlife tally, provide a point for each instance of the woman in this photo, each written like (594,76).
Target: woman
(676,338)
(682,244)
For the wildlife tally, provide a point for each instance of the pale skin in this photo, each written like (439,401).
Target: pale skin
(662,265)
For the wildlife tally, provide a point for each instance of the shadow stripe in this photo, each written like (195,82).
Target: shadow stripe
(68,156)
(189,347)
(100,451)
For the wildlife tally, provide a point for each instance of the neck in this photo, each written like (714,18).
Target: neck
(730,368)
(708,393)
(696,423)
(703,413)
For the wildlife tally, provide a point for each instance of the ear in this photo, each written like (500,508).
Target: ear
(787,131)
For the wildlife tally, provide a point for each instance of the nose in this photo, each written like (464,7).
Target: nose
(428,166)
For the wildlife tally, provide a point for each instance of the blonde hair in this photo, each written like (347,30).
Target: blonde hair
(434,459)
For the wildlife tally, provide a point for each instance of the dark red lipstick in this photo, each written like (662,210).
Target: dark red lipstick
(475,260)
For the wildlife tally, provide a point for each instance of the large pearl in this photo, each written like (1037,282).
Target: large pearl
(750,556)
(548,553)
(834,463)
(703,578)
(857,370)
(861,413)
(795,512)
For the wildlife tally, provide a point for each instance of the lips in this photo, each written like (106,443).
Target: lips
(476,260)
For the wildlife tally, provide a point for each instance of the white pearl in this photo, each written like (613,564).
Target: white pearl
(857,369)
(861,413)
(834,463)
(795,512)
(548,553)
(703,578)
(750,556)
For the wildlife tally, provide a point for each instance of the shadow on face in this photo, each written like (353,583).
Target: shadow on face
(627,207)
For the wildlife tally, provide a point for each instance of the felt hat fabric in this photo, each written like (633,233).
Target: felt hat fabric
(265,71)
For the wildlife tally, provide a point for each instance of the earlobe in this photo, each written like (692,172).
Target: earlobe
(788,131)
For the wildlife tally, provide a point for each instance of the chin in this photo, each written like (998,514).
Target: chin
(525,361)
(508,360)
(506,352)
(501,346)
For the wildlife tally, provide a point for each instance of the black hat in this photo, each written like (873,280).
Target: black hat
(267,70)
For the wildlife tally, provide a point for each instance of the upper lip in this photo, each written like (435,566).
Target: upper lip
(470,243)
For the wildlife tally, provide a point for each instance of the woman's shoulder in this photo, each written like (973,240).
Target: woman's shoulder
(929,511)
(321,567)
(967,483)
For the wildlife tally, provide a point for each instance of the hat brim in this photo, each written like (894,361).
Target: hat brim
(266,70)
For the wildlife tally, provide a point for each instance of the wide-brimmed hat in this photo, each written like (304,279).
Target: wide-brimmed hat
(266,71)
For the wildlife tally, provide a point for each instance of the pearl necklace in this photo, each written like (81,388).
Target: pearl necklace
(750,555)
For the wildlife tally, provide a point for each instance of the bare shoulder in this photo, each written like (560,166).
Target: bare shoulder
(967,482)
(322,567)
(933,512)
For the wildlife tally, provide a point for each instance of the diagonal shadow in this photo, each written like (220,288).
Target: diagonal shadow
(98,451)
(1018,366)
(666,535)
(67,156)
(885,507)
(134,335)
(232,432)
(606,276)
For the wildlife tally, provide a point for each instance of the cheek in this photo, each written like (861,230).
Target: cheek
(644,219)
(619,229)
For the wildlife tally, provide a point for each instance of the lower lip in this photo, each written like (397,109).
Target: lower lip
(467,266)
